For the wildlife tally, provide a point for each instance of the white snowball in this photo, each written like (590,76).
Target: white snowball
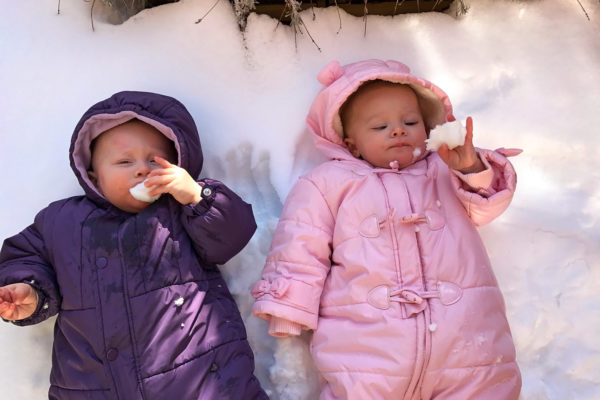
(452,133)
(142,193)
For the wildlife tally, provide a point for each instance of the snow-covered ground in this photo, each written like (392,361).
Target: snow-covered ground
(527,71)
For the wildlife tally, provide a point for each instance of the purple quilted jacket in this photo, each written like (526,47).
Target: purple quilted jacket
(143,312)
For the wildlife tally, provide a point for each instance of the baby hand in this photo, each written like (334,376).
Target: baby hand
(17,301)
(174,180)
(462,158)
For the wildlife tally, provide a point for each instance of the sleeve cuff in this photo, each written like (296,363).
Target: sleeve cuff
(280,327)
(478,181)
(42,307)
(207,196)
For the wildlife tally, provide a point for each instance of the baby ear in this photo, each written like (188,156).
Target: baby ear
(93,177)
(349,142)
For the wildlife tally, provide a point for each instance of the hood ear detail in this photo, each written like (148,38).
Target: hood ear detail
(330,73)
(398,66)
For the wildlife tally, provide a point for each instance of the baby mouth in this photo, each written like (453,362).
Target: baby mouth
(142,193)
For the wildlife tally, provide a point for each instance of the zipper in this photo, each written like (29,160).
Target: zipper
(423,319)
(127,298)
(426,314)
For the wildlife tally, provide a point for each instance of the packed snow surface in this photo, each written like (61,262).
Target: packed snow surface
(526,71)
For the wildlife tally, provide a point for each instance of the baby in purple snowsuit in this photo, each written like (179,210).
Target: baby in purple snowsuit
(143,312)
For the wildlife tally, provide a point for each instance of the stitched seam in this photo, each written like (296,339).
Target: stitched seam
(305,223)
(212,349)
(79,390)
(176,284)
(323,197)
(358,371)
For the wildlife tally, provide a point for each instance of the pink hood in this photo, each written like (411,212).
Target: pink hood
(340,82)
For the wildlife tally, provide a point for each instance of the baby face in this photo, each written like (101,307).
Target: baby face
(384,124)
(122,157)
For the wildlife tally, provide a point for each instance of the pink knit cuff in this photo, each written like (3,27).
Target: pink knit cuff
(478,180)
(280,327)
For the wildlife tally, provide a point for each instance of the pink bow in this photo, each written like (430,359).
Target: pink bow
(276,288)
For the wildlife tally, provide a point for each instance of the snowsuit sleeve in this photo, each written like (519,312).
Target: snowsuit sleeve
(220,225)
(485,195)
(24,259)
(299,259)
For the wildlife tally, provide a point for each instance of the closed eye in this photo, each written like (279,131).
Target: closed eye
(411,123)
(380,127)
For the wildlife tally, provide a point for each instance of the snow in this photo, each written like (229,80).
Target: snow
(179,301)
(142,193)
(526,71)
(451,133)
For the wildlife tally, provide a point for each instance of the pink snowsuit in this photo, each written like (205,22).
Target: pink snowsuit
(386,265)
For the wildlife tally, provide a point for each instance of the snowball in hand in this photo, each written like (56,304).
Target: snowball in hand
(452,133)
(142,193)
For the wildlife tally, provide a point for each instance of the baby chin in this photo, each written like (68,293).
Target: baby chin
(403,156)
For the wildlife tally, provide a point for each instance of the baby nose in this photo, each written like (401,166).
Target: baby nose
(143,169)
(397,130)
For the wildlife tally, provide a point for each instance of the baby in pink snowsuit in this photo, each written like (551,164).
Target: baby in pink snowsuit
(377,250)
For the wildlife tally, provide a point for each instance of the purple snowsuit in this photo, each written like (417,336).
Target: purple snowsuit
(143,312)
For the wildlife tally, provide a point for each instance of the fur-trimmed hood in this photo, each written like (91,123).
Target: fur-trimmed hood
(339,82)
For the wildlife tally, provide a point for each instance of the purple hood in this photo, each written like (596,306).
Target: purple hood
(165,113)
